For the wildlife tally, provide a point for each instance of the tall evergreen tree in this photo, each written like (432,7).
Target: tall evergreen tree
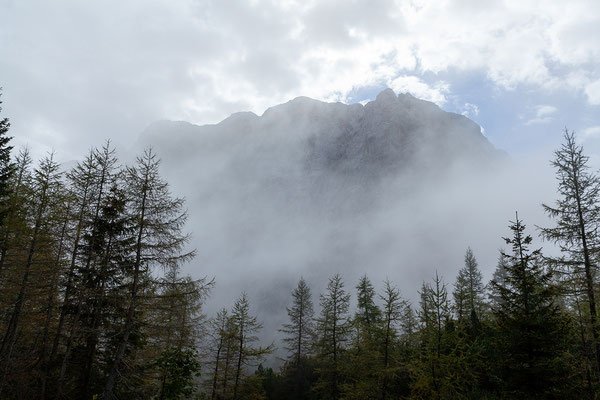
(362,362)
(246,328)
(368,314)
(45,188)
(532,331)
(333,327)
(300,330)
(430,380)
(499,277)
(6,166)
(468,289)
(221,332)
(157,222)
(393,308)
(577,215)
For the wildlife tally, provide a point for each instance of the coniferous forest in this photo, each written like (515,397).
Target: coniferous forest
(94,304)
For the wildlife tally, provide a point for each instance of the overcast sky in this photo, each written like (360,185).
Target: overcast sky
(77,72)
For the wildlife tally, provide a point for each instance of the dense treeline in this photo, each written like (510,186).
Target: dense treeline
(92,300)
(93,303)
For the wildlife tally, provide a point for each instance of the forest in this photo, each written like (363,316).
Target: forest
(95,306)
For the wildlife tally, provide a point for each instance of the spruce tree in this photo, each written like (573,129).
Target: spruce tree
(434,316)
(468,289)
(499,277)
(532,331)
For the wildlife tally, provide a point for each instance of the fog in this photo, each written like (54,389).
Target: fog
(394,189)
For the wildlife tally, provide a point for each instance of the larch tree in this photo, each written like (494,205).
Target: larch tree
(221,335)
(577,216)
(157,220)
(45,187)
(299,331)
(14,226)
(247,353)
(362,362)
(333,328)
(392,310)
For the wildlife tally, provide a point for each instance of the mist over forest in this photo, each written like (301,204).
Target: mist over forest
(396,188)
(299,200)
(195,273)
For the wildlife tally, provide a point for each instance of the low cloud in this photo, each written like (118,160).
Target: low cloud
(590,132)
(435,93)
(543,114)
(108,69)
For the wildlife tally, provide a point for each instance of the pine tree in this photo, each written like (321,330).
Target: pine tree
(532,331)
(577,215)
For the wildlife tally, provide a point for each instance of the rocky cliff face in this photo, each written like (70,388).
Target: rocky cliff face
(385,136)
(312,188)
(310,151)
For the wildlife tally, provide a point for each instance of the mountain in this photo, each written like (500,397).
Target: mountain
(387,136)
(395,188)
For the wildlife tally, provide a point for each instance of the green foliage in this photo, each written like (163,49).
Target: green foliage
(468,290)
(179,367)
(532,330)
(93,304)
(6,166)
(333,329)
(299,331)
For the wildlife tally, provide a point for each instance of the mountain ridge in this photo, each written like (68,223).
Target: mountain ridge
(389,134)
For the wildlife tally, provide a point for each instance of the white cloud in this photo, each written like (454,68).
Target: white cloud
(544,110)
(543,114)
(593,92)
(418,88)
(470,110)
(111,68)
(590,132)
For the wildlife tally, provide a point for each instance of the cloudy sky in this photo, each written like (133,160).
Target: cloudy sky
(76,72)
